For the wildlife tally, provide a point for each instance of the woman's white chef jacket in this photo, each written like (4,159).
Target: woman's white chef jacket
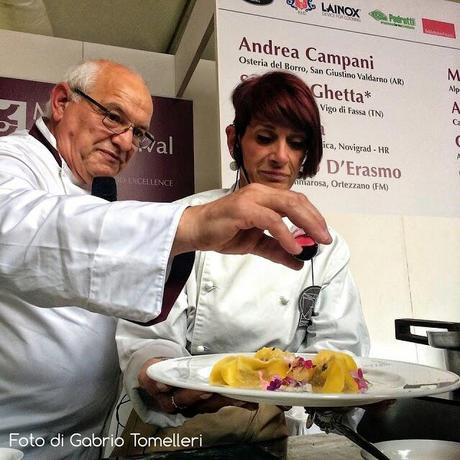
(60,247)
(242,303)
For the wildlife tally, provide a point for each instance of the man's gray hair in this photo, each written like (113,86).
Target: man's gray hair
(82,76)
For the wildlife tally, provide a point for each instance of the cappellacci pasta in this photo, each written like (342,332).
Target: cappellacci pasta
(276,370)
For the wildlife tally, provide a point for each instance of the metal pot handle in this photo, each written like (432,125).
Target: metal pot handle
(402,329)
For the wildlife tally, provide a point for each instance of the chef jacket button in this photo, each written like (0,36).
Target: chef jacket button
(283,300)
(200,348)
(209,286)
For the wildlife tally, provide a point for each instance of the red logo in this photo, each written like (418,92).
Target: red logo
(443,29)
(302,6)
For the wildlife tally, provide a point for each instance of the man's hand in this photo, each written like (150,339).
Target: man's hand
(235,224)
(172,400)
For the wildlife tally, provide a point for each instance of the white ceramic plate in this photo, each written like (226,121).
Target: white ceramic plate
(388,380)
(417,449)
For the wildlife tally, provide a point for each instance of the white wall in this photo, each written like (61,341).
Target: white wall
(379,268)
(37,57)
(202,89)
(42,58)
(406,267)
(433,263)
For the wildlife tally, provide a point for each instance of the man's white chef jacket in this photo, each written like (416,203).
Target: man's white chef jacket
(243,303)
(60,247)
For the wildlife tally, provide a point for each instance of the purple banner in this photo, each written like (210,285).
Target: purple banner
(163,172)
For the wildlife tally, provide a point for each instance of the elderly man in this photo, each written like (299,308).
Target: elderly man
(71,262)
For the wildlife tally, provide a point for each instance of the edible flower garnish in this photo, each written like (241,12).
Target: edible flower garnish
(275,384)
(362,383)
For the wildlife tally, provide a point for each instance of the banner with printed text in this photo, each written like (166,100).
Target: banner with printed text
(386,77)
(162,172)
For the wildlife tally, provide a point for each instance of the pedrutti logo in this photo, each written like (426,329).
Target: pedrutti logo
(12,116)
(393,20)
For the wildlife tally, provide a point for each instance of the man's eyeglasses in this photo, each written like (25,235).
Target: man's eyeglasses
(118,125)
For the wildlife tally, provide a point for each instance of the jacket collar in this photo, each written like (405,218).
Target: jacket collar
(43,135)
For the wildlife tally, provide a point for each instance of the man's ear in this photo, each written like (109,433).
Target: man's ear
(60,97)
(231,137)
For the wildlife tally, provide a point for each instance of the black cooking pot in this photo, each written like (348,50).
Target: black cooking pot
(448,340)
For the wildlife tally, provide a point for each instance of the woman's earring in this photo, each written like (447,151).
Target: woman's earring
(233,165)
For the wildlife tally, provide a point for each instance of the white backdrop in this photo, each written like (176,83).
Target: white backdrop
(388,92)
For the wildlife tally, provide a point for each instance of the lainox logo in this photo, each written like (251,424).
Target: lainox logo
(12,116)
(302,6)
(392,20)
(340,11)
